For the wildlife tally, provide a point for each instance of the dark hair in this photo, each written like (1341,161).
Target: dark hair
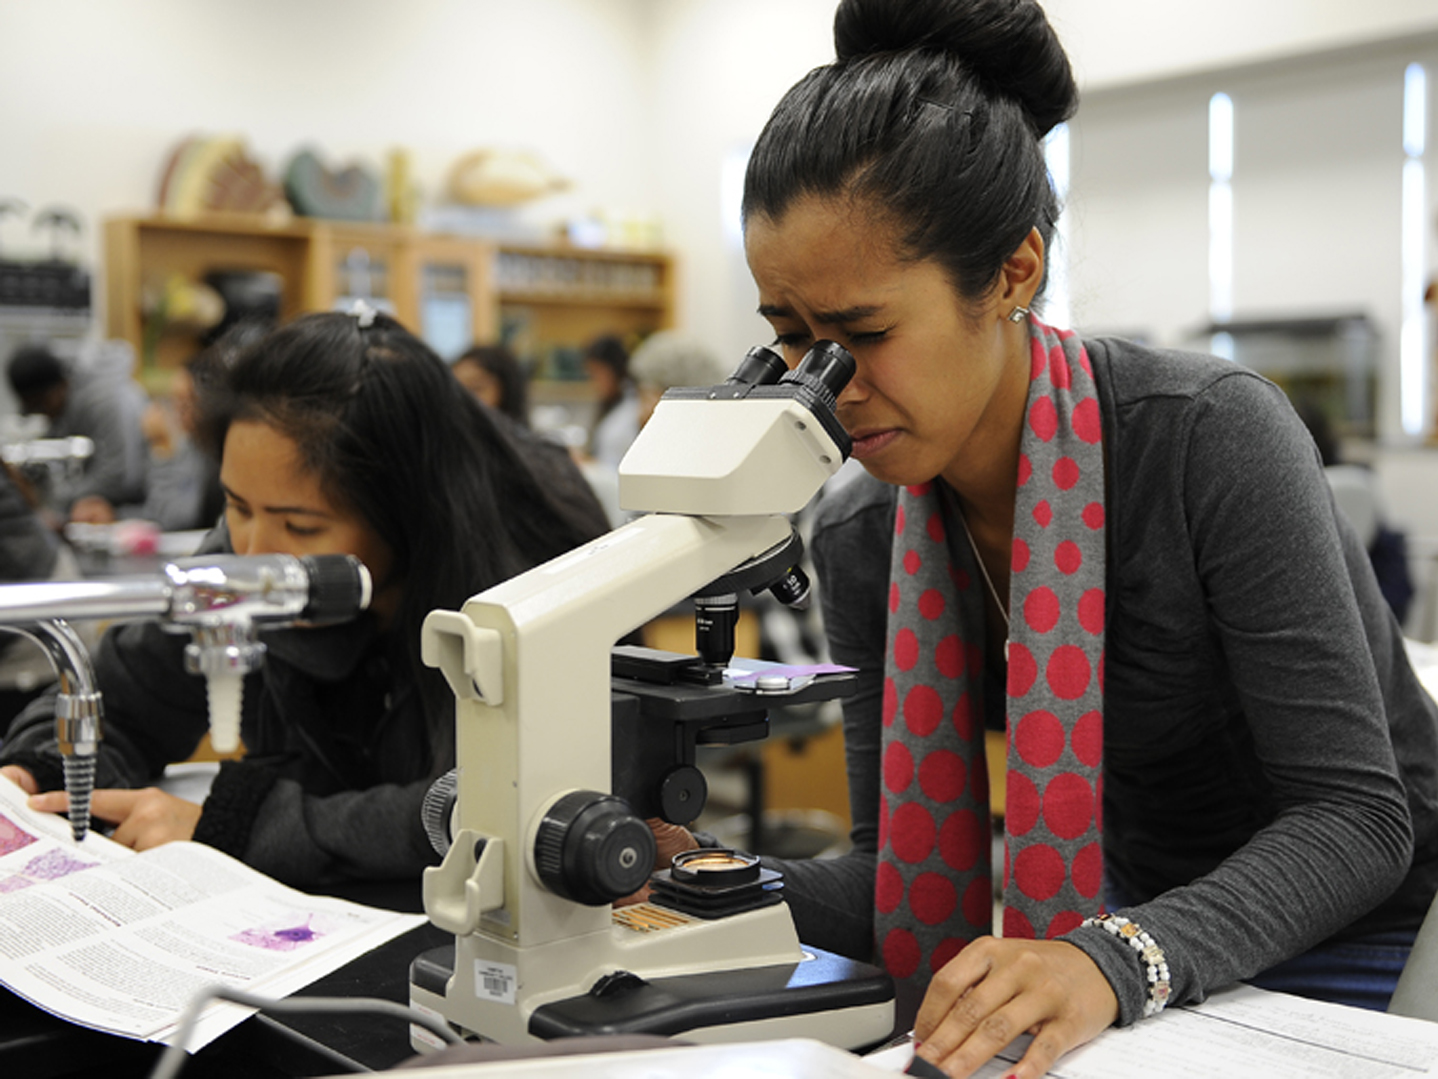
(934,112)
(609,350)
(513,384)
(389,432)
(33,368)
(209,371)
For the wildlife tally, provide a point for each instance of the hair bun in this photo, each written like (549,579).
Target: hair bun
(1007,43)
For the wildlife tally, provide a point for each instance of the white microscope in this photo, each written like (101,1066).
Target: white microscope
(564,744)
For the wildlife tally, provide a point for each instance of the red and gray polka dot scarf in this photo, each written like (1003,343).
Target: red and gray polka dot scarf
(933,891)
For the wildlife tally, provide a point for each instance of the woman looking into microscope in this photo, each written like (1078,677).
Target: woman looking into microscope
(1130,554)
(339,434)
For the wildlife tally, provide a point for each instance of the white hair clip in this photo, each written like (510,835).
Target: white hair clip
(363,314)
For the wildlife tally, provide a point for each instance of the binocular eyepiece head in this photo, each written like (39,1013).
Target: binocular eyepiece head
(825,370)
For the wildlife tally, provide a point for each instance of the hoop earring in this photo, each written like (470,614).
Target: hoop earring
(1019,313)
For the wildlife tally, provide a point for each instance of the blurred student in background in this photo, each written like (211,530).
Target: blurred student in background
(99,401)
(667,359)
(616,418)
(496,378)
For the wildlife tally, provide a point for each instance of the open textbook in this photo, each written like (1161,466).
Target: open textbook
(104,937)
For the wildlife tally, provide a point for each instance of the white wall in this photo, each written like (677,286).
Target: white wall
(724,63)
(1316,188)
(95,93)
(1118,42)
(640,102)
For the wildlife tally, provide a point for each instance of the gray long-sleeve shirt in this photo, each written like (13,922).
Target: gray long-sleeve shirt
(1269,769)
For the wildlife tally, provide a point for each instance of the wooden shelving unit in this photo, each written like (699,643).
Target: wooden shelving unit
(553,301)
(545,301)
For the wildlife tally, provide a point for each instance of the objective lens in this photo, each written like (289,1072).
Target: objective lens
(714,620)
(792,589)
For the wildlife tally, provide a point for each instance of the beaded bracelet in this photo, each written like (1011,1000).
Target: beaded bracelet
(1138,939)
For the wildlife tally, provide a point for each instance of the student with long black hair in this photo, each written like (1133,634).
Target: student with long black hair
(340,434)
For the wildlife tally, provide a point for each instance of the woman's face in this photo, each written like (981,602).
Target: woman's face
(273,505)
(478,381)
(940,386)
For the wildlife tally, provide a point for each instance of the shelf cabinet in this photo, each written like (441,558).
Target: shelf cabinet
(545,302)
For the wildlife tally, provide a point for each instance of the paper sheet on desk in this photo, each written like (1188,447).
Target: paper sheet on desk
(119,942)
(1424,659)
(1242,1032)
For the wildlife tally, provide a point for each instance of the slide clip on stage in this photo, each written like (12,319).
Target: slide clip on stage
(565,744)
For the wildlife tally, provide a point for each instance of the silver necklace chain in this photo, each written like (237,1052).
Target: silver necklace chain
(1004,614)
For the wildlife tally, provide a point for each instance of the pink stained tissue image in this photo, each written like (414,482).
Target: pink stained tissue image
(282,939)
(13,837)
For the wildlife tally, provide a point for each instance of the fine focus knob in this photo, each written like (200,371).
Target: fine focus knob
(437,809)
(591,848)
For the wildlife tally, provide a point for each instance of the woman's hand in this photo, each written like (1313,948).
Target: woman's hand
(92,510)
(143,819)
(21,777)
(671,839)
(995,990)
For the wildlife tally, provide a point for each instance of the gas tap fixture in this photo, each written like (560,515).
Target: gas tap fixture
(222,601)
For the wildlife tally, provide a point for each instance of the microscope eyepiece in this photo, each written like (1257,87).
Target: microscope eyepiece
(761,366)
(825,370)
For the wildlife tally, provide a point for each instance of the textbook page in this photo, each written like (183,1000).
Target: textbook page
(120,942)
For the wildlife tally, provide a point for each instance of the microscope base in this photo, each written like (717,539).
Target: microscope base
(826,997)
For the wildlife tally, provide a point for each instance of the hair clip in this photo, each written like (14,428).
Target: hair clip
(363,314)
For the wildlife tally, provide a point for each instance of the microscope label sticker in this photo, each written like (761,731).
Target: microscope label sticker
(495,981)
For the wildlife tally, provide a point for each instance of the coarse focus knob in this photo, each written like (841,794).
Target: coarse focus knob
(591,848)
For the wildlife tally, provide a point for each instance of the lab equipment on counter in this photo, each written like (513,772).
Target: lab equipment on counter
(222,601)
(565,744)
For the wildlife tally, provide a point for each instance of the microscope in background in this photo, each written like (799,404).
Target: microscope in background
(565,744)
(222,601)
